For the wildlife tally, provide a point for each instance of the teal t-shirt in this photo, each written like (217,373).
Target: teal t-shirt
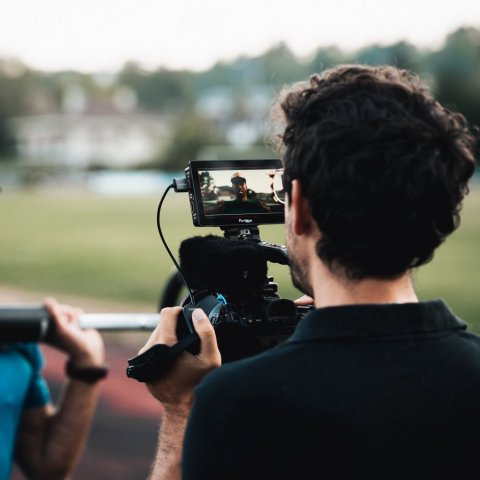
(21,387)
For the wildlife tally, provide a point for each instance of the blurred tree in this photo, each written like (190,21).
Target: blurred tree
(456,70)
(221,74)
(190,136)
(401,54)
(282,66)
(235,91)
(172,90)
(326,57)
(7,139)
(14,101)
(276,66)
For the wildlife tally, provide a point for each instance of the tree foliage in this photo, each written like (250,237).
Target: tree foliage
(191,134)
(161,89)
(456,70)
(15,89)
(453,72)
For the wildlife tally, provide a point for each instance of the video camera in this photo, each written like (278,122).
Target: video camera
(228,276)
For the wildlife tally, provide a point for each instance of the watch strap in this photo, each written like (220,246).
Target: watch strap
(85,374)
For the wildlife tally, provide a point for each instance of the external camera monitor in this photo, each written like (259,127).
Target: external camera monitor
(236,192)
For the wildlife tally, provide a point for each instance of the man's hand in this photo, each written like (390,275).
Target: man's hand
(176,388)
(85,347)
(304,301)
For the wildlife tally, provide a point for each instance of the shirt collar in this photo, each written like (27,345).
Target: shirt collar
(377,320)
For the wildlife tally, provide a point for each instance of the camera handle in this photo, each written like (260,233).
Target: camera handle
(273,252)
(241,233)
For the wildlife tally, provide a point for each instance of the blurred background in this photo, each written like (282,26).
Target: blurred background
(103,103)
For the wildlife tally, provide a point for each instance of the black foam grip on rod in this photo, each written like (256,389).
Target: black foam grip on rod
(24,324)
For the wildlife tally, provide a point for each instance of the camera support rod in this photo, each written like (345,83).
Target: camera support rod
(119,321)
(31,324)
(273,252)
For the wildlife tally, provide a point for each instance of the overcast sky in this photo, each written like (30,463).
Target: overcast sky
(100,35)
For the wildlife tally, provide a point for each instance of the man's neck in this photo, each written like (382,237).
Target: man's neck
(334,290)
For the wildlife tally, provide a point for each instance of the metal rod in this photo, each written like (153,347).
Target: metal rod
(119,321)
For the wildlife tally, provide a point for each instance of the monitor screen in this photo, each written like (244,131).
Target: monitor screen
(238,192)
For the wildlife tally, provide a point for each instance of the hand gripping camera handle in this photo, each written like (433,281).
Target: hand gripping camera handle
(156,362)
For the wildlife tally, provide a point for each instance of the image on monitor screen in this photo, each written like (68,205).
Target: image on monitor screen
(241,192)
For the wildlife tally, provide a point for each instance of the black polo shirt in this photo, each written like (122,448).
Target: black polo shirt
(370,391)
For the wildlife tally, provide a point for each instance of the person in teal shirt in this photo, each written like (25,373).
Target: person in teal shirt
(22,388)
(46,440)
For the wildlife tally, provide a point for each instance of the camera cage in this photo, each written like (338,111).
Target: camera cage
(244,327)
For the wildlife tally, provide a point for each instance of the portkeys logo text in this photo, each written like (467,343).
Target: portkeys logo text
(245,220)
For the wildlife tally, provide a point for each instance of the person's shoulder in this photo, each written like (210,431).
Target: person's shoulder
(30,351)
(469,343)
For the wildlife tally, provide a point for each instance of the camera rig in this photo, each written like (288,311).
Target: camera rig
(227,277)
(237,294)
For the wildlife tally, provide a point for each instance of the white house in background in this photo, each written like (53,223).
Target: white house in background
(80,140)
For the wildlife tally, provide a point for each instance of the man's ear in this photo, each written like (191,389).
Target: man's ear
(302,220)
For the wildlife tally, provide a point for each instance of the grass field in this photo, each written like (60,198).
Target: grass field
(109,248)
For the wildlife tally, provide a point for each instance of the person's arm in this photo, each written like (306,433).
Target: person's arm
(175,391)
(168,457)
(50,440)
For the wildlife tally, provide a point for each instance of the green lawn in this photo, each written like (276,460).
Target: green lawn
(109,248)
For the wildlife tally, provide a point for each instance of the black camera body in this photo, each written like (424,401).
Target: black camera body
(245,328)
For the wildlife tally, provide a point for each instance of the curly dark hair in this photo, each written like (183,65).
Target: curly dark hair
(383,165)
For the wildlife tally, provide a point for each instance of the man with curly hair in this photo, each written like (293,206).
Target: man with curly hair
(373,383)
